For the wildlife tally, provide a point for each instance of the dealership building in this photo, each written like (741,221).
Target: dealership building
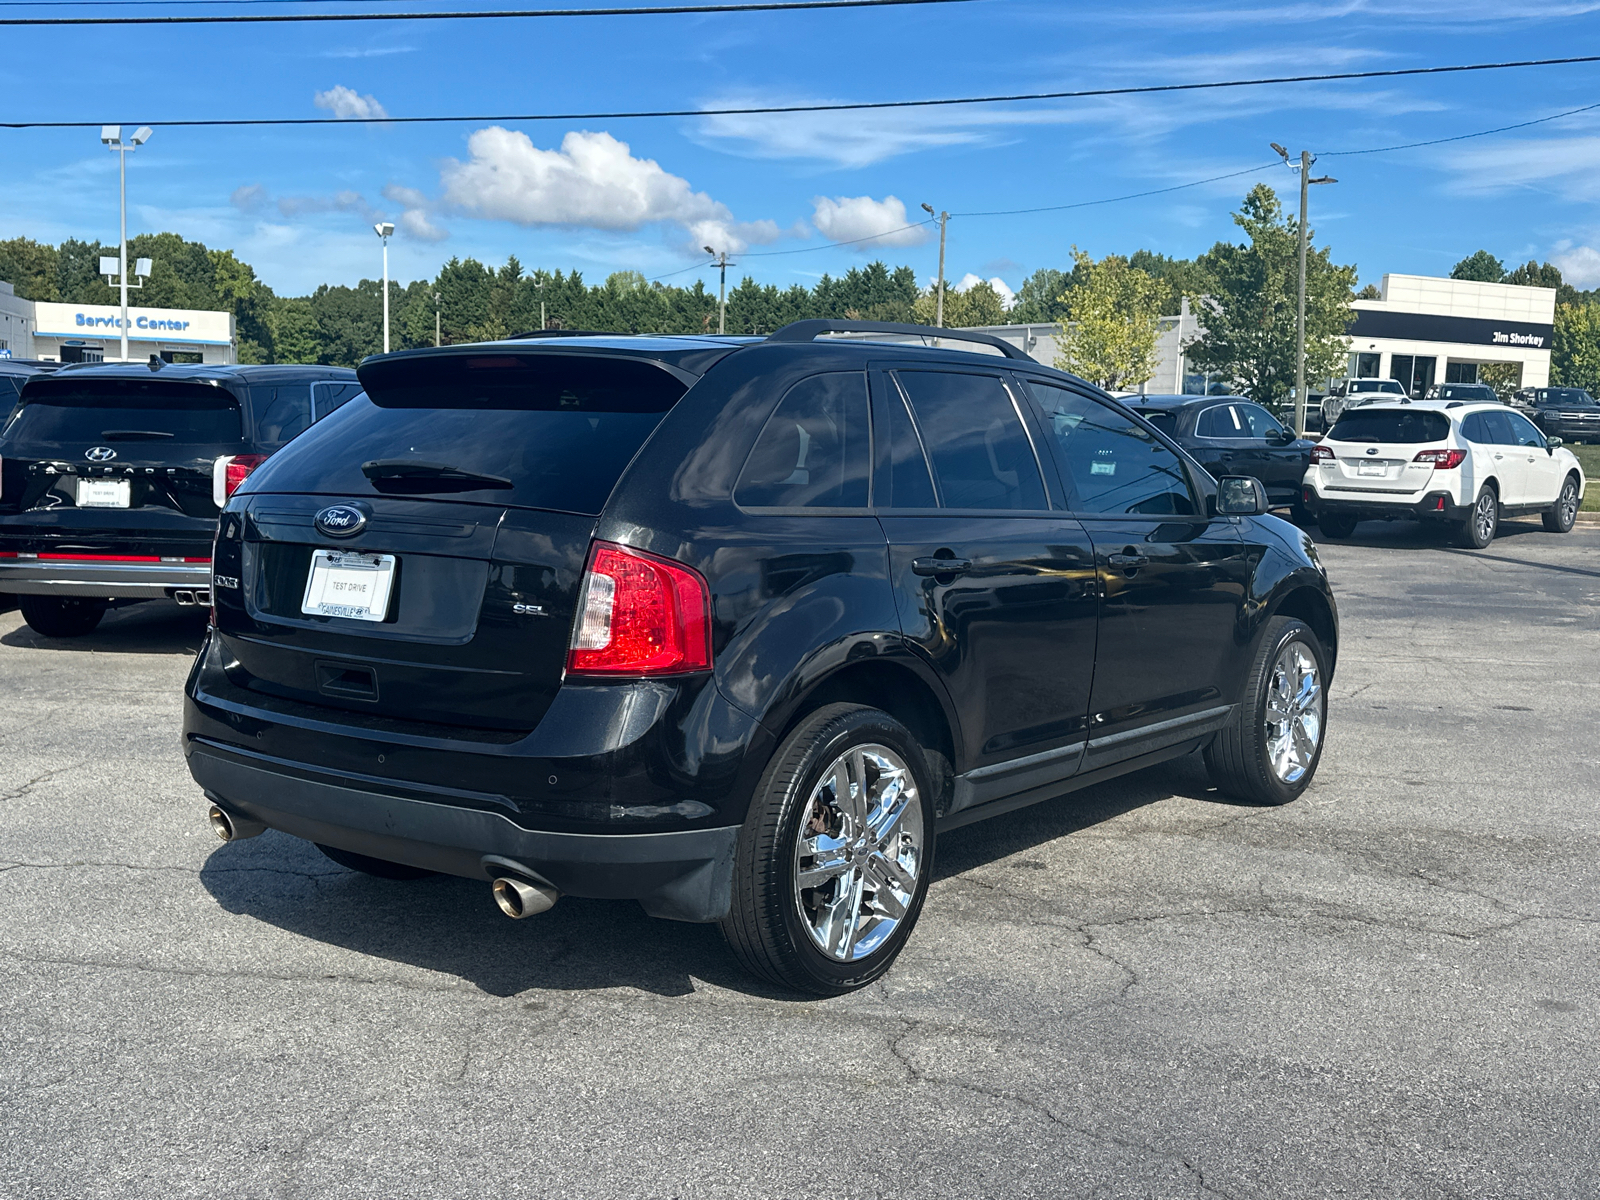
(93,332)
(1421,330)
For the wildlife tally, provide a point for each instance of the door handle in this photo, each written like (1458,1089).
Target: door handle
(1128,562)
(941,566)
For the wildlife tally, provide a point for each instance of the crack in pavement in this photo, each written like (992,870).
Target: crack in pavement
(36,781)
(39,866)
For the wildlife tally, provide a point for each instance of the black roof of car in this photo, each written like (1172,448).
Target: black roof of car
(1169,402)
(205,372)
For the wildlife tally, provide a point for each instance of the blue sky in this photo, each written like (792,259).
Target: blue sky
(643,195)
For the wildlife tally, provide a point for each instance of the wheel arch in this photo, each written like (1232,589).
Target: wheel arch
(1306,603)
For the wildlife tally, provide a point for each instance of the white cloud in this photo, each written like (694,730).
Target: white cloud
(1580,265)
(346,201)
(1007,296)
(367,52)
(347,104)
(592,181)
(859,218)
(1569,163)
(414,219)
(248,198)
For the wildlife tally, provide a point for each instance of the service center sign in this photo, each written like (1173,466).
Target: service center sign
(144,324)
(1462,331)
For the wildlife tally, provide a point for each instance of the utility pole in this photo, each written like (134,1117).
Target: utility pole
(436,299)
(1304,168)
(722,288)
(385,230)
(938,299)
(111,136)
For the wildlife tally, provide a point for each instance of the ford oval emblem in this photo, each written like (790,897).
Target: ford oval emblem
(99,453)
(1372,449)
(341,520)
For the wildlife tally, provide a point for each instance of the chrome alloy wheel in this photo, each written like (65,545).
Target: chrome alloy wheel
(1567,504)
(1294,713)
(859,853)
(1483,516)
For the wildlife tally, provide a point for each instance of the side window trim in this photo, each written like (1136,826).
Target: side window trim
(802,509)
(916,431)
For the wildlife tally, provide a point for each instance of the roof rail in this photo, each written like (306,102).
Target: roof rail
(805,331)
(561,333)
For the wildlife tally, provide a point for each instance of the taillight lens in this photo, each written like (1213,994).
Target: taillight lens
(640,615)
(1321,454)
(229,471)
(1442,460)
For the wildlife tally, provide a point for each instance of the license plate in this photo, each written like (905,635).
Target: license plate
(345,584)
(105,493)
(1372,468)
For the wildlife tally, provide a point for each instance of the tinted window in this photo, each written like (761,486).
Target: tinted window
(1390,425)
(329,397)
(981,455)
(1465,391)
(1523,431)
(1565,398)
(560,428)
(1114,465)
(813,451)
(283,411)
(1476,429)
(1377,385)
(904,479)
(1164,421)
(153,411)
(1236,421)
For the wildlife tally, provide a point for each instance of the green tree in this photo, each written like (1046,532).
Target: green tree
(979,305)
(1178,277)
(1249,313)
(1504,378)
(1575,347)
(1480,266)
(1113,312)
(293,330)
(30,267)
(1533,274)
(1040,298)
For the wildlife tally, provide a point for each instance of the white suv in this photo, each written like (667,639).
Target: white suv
(1456,463)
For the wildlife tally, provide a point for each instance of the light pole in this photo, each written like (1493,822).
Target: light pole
(1304,168)
(938,303)
(111,136)
(385,231)
(436,300)
(722,289)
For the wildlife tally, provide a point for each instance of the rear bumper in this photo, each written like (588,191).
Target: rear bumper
(684,875)
(103,579)
(1436,505)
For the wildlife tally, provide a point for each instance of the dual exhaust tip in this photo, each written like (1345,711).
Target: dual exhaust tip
(189,597)
(516,897)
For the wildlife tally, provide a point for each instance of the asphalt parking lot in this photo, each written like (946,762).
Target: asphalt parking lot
(1386,989)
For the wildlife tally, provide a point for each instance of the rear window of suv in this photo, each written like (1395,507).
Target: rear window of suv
(89,411)
(551,431)
(1404,426)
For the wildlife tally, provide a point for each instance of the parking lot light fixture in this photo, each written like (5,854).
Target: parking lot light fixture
(721,260)
(111,138)
(938,298)
(385,231)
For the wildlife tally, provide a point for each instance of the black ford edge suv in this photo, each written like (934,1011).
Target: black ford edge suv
(735,627)
(111,477)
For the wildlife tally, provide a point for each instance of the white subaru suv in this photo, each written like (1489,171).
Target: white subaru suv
(1457,463)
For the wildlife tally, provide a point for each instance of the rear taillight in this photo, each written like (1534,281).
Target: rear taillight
(640,615)
(1321,454)
(1442,460)
(229,471)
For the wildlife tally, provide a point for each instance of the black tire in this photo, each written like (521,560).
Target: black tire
(765,927)
(1337,525)
(1561,516)
(1239,758)
(1483,522)
(61,616)
(1300,514)
(380,868)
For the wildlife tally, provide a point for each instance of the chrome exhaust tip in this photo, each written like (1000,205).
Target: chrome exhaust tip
(520,898)
(229,826)
(184,597)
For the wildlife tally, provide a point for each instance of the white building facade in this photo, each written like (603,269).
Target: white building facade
(93,332)
(16,324)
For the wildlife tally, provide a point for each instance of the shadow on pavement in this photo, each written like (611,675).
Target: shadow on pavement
(154,627)
(452,926)
(1414,535)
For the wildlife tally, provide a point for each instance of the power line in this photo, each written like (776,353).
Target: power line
(854,106)
(1177,187)
(1461,137)
(658,10)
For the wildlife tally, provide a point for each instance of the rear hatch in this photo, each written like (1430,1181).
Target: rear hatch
(464,490)
(109,465)
(1375,449)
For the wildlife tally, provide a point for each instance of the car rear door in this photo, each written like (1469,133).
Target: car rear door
(995,586)
(1508,460)
(1542,473)
(1173,581)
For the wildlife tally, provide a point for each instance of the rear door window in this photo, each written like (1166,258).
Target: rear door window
(533,430)
(981,455)
(155,412)
(813,452)
(328,397)
(903,478)
(283,411)
(1392,425)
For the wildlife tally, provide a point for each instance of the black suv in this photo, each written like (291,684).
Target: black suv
(734,627)
(1567,413)
(111,477)
(1231,435)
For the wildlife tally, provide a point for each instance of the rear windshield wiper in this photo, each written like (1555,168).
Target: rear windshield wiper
(408,475)
(133,435)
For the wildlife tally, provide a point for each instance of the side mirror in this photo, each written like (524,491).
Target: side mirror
(1280,437)
(1552,444)
(1240,496)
